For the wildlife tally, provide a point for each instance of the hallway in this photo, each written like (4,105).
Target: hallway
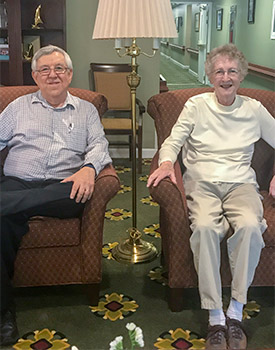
(176,76)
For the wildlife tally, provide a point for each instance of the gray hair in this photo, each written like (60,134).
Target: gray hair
(228,50)
(47,50)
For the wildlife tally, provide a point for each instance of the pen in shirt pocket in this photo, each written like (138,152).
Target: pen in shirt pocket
(70,127)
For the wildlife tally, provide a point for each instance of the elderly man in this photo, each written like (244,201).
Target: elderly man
(218,131)
(56,148)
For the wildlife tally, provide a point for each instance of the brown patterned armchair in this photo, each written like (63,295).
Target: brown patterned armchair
(174,224)
(65,251)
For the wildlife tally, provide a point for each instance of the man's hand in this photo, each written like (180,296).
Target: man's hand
(272,187)
(83,184)
(166,169)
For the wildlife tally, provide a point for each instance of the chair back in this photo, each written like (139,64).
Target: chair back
(10,93)
(111,81)
(165,109)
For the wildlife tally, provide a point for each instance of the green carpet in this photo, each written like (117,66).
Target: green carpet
(60,318)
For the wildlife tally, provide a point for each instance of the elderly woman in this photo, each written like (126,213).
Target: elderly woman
(217,132)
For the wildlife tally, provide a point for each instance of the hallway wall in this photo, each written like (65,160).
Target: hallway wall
(252,38)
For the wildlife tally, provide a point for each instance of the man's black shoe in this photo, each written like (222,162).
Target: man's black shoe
(9,332)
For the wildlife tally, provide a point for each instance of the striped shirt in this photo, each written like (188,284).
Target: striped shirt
(51,143)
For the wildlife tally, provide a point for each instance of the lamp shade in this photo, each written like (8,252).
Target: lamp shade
(134,19)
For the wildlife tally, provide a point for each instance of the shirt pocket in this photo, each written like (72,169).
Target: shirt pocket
(77,140)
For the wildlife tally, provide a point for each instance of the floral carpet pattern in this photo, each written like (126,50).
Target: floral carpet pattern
(129,293)
(42,340)
(124,189)
(251,309)
(117,214)
(107,250)
(152,230)
(158,275)
(149,201)
(179,339)
(120,169)
(114,307)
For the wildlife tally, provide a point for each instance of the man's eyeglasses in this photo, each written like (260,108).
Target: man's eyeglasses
(56,69)
(231,72)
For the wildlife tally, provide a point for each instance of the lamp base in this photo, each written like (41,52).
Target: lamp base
(134,250)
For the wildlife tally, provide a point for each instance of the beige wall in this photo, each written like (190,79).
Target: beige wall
(84,50)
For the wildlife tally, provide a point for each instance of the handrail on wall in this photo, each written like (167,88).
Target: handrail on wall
(194,51)
(255,69)
(180,47)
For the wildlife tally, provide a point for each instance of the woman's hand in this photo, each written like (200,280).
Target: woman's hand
(166,169)
(272,187)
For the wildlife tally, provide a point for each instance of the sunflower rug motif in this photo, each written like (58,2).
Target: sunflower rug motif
(42,340)
(179,339)
(114,307)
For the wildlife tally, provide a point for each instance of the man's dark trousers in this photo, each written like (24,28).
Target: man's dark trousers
(19,200)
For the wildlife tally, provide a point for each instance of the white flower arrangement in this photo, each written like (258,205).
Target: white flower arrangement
(135,335)
(117,344)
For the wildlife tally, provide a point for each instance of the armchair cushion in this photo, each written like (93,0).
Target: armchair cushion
(51,232)
(10,93)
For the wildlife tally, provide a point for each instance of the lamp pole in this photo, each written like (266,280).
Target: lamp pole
(134,249)
(131,19)
(133,80)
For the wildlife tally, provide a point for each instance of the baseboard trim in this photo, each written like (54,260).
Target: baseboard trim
(124,152)
(193,73)
(174,61)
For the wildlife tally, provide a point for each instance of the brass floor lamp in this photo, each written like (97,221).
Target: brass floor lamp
(132,19)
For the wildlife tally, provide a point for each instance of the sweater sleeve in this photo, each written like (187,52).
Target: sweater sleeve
(267,125)
(181,130)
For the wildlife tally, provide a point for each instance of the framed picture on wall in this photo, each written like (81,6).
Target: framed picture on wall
(179,22)
(272,36)
(233,11)
(251,11)
(197,22)
(219,14)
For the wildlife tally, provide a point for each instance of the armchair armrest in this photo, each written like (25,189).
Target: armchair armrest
(141,110)
(174,226)
(141,106)
(107,171)
(106,186)
(167,185)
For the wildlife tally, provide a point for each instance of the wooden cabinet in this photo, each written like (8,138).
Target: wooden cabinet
(21,13)
(11,70)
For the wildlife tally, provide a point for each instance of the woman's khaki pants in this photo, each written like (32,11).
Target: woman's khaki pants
(213,207)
